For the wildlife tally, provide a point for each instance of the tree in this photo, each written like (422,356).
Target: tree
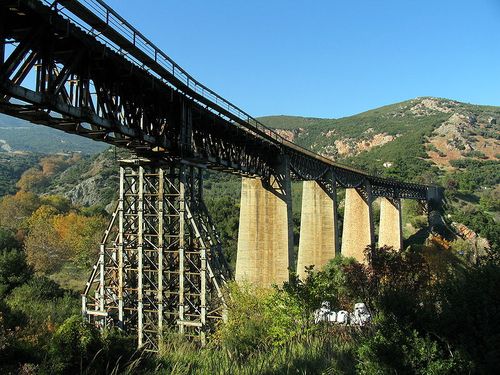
(61,204)
(32,180)
(80,236)
(16,209)
(14,270)
(45,249)
(8,240)
(73,346)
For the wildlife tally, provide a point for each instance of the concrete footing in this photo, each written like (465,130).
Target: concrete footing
(265,238)
(318,227)
(390,232)
(357,232)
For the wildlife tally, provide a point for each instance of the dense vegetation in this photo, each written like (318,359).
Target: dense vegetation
(11,169)
(428,316)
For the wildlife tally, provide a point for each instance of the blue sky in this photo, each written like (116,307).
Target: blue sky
(329,58)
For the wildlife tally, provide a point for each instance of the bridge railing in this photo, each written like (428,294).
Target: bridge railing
(206,97)
(113,20)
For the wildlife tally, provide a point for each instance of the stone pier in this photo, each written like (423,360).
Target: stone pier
(318,227)
(265,238)
(390,232)
(357,232)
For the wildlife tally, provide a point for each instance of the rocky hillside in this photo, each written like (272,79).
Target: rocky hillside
(420,139)
(432,129)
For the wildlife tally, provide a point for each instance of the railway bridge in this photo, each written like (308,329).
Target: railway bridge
(78,66)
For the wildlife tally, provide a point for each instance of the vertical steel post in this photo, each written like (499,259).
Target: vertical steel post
(140,260)
(121,247)
(203,265)
(101,276)
(182,244)
(161,198)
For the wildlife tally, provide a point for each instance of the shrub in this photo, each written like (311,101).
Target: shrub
(44,306)
(73,347)
(260,319)
(393,348)
(14,270)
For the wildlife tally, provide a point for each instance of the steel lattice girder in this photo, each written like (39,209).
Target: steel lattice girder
(109,92)
(160,264)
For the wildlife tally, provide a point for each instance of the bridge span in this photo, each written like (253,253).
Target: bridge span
(78,66)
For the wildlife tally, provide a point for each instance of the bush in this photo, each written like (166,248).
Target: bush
(469,312)
(74,345)
(331,284)
(44,306)
(14,270)
(260,319)
(393,348)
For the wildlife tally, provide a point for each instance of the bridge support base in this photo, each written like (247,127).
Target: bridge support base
(391,231)
(265,238)
(357,232)
(160,265)
(318,227)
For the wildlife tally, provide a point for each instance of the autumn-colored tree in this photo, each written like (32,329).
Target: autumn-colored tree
(56,163)
(81,236)
(16,209)
(31,180)
(38,177)
(61,204)
(45,250)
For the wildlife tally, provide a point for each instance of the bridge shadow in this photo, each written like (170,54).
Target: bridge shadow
(418,238)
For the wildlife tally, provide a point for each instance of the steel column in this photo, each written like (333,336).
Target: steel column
(164,276)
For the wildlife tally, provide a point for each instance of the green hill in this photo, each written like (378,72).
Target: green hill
(419,136)
(20,135)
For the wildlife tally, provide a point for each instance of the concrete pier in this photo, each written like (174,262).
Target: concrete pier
(318,227)
(265,238)
(391,231)
(357,232)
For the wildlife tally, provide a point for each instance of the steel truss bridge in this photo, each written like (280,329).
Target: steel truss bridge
(77,66)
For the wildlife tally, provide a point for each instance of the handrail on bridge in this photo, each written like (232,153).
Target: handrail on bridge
(213,101)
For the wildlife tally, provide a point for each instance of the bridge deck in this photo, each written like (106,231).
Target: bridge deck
(131,94)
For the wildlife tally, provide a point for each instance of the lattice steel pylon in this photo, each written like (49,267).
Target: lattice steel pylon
(160,264)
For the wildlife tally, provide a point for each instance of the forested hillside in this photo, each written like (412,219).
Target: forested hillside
(21,136)
(428,316)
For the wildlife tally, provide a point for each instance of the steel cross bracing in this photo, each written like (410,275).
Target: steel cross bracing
(160,265)
(79,67)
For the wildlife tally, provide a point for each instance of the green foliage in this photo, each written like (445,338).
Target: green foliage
(8,240)
(224,211)
(61,204)
(331,284)
(480,222)
(44,306)
(393,348)
(73,347)
(328,353)
(14,270)
(12,166)
(475,174)
(260,319)
(469,312)
(475,154)
(490,200)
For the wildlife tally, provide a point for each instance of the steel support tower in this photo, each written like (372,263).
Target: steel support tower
(160,264)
